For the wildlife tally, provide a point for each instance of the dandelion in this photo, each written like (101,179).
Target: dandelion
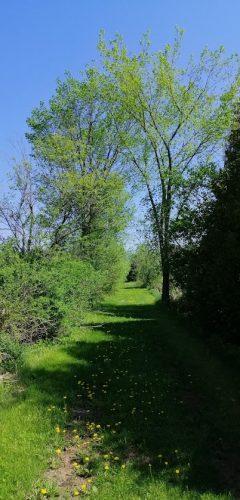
(43,491)
(106,467)
(84,487)
(86,459)
(58,430)
(177,471)
(58,451)
(76,493)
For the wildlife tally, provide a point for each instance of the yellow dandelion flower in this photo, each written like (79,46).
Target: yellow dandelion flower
(177,471)
(76,493)
(57,429)
(43,491)
(84,487)
(58,451)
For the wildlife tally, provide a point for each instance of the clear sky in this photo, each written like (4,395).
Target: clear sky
(40,39)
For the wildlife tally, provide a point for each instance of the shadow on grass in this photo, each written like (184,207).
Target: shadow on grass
(164,414)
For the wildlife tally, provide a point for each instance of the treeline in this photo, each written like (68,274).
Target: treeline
(207,266)
(63,217)
(205,253)
(142,121)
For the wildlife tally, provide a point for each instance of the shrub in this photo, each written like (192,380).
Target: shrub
(76,284)
(108,257)
(36,294)
(10,352)
(28,309)
(145,267)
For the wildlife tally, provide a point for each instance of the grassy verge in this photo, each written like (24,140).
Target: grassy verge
(149,412)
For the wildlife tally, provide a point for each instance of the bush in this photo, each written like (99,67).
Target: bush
(145,267)
(108,257)
(38,293)
(28,308)
(10,353)
(76,285)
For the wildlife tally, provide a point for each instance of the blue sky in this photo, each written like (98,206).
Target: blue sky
(40,39)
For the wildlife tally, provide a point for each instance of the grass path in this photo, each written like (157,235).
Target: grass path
(146,409)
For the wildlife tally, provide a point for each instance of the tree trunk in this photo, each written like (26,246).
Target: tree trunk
(165,258)
(165,282)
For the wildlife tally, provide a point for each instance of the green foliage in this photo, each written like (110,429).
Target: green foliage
(145,266)
(207,267)
(37,294)
(85,207)
(27,302)
(76,131)
(107,255)
(76,285)
(178,117)
(77,144)
(10,353)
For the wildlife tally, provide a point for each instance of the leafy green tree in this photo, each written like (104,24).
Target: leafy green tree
(177,120)
(207,267)
(76,144)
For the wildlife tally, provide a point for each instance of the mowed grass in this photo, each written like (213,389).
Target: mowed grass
(164,413)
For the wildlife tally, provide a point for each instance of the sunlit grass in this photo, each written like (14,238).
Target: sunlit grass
(158,409)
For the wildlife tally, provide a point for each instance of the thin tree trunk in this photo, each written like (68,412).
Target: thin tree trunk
(165,254)
(165,282)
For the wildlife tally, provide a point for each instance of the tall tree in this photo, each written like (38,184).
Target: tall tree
(178,117)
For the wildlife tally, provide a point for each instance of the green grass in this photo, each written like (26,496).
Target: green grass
(167,408)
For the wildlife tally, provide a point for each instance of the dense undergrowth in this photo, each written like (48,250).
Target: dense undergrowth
(41,294)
